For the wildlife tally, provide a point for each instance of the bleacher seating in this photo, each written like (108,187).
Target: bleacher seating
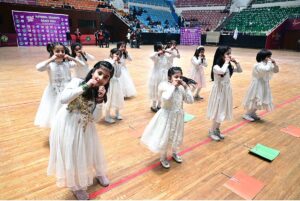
(258,21)
(269,1)
(206,19)
(157,15)
(151,2)
(197,3)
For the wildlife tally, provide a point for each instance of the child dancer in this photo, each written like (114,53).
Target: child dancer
(125,79)
(115,97)
(58,68)
(159,73)
(167,125)
(171,47)
(76,156)
(259,94)
(77,52)
(220,99)
(197,71)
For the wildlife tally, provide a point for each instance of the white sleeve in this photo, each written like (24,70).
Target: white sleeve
(76,62)
(265,68)
(166,90)
(42,66)
(118,70)
(154,56)
(72,91)
(276,68)
(89,56)
(196,61)
(188,96)
(97,114)
(238,68)
(221,71)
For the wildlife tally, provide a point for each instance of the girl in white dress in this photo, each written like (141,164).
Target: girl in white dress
(58,69)
(172,47)
(259,94)
(76,154)
(115,97)
(78,53)
(125,79)
(167,125)
(159,73)
(197,71)
(220,99)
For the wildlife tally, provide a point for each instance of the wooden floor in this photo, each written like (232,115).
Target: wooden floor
(24,148)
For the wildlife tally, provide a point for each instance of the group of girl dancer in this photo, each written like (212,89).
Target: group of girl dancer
(72,106)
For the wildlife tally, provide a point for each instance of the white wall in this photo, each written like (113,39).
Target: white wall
(131,4)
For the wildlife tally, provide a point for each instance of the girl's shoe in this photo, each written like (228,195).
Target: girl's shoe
(213,135)
(153,109)
(119,117)
(255,117)
(109,120)
(81,195)
(248,117)
(219,134)
(177,158)
(165,164)
(103,180)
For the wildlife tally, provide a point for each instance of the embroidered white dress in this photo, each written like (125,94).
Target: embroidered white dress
(159,73)
(115,97)
(259,94)
(220,99)
(197,71)
(59,76)
(82,71)
(125,78)
(167,125)
(76,154)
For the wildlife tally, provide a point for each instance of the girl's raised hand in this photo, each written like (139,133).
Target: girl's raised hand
(233,60)
(53,57)
(92,82)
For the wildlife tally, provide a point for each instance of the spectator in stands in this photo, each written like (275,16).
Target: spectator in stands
(133,39)
(106,38)
(77,35)
(101,38)
(96,37)
(138,37)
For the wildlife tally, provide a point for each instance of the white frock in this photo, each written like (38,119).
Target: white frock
(167,125)
(82,71)
(159,73)
(115,97)
(197,71)
(220,99)
(171,57)
(125,79)
(76,154)
(59,77)
(259,94)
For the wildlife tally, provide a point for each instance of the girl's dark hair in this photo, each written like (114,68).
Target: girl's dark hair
(119,44)
(169,44)
(73,47)
(50,48)
(198,50)
(219,60)
(263,54)
(91,93)
(158,46)
(115,51)
(174,70)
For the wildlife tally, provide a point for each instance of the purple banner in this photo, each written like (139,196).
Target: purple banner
(31,2)
(190,36)
(39,29)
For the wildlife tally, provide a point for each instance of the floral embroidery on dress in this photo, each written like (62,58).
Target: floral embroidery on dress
(83,106)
